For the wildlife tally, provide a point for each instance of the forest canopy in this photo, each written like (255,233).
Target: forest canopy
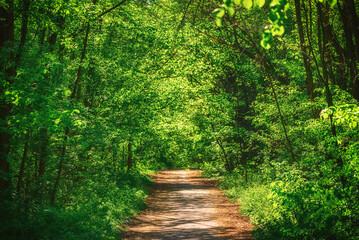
(96,95)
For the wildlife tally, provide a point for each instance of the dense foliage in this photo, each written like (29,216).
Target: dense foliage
(97,94)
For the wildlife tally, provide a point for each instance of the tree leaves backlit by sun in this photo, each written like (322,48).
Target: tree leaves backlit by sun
(277,16)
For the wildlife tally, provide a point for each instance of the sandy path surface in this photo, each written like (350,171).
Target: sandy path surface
(184,206)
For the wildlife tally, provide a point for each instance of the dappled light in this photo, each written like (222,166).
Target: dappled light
(184,206)
(110,110)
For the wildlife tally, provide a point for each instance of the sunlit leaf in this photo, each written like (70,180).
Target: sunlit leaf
(265,44)
(219,22)
(278,31)
(231,11)
(260,3)
(220,13)
(332,2)
(247,4)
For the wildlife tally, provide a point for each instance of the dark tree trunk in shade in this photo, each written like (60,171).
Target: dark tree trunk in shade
(129,159)
(23,162)
(6,39)
(305,56)
(347,16)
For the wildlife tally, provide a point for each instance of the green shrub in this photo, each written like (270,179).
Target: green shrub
(98,210)
(293,208)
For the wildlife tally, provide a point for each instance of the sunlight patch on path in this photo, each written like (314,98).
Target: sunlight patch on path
(182,206)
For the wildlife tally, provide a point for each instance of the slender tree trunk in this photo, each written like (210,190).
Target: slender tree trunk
(305,56)
(330,38)
(6,37)
(23,162)
(75,91)
(261,58)
(123,155)
(114,156)
(347,20)
(268,69)
(289,142)
(42,36)
(354,23)
(27,195)
(43,151)
(59,169)
(229,165)
(129,159)
(322,43)
(24,23)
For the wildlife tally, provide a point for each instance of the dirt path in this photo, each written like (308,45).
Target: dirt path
(184,206)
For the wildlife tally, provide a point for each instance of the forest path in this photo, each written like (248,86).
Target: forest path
(184,206)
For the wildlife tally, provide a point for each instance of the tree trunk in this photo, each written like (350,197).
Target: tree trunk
(229,164)
(23,162)
(6,37)
(24,23)
(129,159)
(114,156)
(305,56)
(59,169)
(346,17)
(123,155)
(322,42)
(43,151)
(354,23)
(75,91)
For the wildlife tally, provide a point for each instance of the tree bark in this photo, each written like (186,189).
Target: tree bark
(229,164)
(346,17)
(59,169)
(6,37)
(75,91)
(129,159)
(305,56)
(24,23)
(43,151)
(23,162)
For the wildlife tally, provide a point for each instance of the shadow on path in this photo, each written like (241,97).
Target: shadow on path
(184,206)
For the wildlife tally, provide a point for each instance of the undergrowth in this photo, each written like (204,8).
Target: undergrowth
(290,206)
(99,209)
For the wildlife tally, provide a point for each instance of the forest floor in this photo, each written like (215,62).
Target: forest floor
(184,206)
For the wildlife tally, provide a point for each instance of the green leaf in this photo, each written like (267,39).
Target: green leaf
(278,31)
(260,3)
(67,93)
(265,44)
(237,2)
(274,3)
(219,22)
(286,7)
(332,3)
(76,111)
(220,13)
(247,4)
(273,16)
(228,3)
(230,11)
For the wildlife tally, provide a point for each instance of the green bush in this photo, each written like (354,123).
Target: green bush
(98,210)
(293,207)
